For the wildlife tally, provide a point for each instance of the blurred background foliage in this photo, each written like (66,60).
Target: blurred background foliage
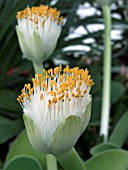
(80,44)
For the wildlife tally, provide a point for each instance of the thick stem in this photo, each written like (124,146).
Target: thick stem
(71,161)
(38,68)
(51,162)
(105,112)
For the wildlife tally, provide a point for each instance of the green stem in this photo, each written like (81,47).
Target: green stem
(71,161)
(51,162)
(38,68)
(105,112)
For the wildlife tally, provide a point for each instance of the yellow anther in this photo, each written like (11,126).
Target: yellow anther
(69,99)
(49,104)
(60,67)
(43,23)
(46,75)
(78,89)
(62,100)
(59,86)
(73,94)
(67,95)
(61,78)
(56,70)
(44,85)
(85,91)
(36,20)
(41,96)
(54,94)
(57,89)
(61,97)
(54,100)
(40,76)
(52,83)
(66,69)
(19,97)
(23,95)
(18,100)
(41,11)
(80,82)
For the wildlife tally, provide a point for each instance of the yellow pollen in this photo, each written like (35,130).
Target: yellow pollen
(49,104)
(60,85)
(40,11)
(44,85)
(54,100)
(41,97)
(69,99)
(52,83)
(85,91)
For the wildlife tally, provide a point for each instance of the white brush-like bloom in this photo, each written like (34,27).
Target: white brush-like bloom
(38,31)
(57,108)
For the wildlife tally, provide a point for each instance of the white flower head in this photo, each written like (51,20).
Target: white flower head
(38,31)
(57,108)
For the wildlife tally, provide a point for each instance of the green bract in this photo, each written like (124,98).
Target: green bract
(63,138)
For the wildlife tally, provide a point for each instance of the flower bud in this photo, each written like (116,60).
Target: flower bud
(57,108)
(38,31)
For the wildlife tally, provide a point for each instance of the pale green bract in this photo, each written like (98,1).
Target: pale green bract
(64,137)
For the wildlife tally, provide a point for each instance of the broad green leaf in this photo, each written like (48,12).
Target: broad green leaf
(21,146)
(9,128)
(109,160)
(117,90)
(121,131)
(23,163)
(8,100)
(102,147)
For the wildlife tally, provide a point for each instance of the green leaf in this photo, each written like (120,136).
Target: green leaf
(9,128)
(8,100)
(121,131)
(109,160)
(102,147)
(21,146)
(117,90)
(23,163)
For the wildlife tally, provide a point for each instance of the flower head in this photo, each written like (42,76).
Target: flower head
(57,108)
(38,31)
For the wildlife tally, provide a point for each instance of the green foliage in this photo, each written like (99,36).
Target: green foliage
(21,146)
(23,162)
(9,128)
(117,90)
(109,160)
(120,132)
(102,148)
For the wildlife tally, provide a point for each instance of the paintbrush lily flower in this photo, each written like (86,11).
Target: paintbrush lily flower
(57,108)
(38,31)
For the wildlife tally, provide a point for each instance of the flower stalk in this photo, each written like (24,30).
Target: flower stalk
(51,162)
(38,68)
(71,161)
(105,112)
